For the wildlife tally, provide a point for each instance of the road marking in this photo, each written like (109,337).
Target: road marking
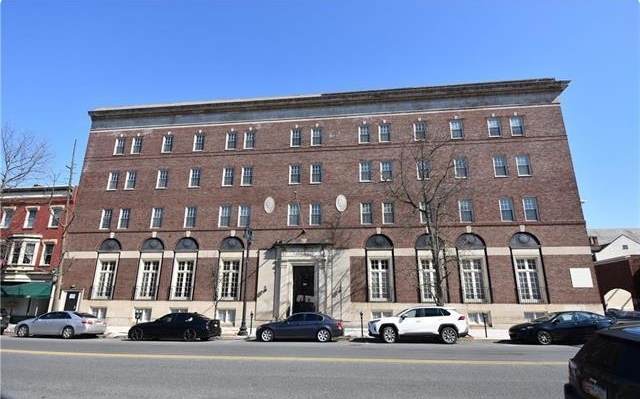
(290,359)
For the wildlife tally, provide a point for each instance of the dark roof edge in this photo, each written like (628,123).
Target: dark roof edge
(354,97)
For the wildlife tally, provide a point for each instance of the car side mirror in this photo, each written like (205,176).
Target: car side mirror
(404,316)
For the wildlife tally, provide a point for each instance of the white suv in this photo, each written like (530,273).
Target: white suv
(446,323)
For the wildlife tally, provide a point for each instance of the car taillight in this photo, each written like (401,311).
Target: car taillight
(339,324)
(87,321)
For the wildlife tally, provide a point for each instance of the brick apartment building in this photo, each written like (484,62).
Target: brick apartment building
(168,194)
(31,234)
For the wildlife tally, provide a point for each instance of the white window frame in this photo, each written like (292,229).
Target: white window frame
(157,215)
(315,173)
(365,172)
(167,143)
(198,142)
(456,127)
(29,220)
(424,216)
(380,276)
(190,214)
(227,176)
(136,145)
(45,246)
(244,215)
(465,207)
(55,213)
(112,183)
(388,213)
(460,168)
(130,180)
(293,214)
(384,133)
(23,251)
(386,170)
(505,204)
(517,125)
(316,136)
(148,276)
(529,276)
(120,145)
(420,131)
(8,213)
(315,214)
(106,269)
(224,214)
(231,142)
(295,172)
(530,204)
(366,213)
(162,181)
(229,274)
(426,276)
(247,176)
(124,218)
(296,137)
(364,131)
(494,127)
(473,277)
(195,175)
(183,276)
(106,218)
(226,316)
(523,165)
(250,140)
(423,169)
(498,168)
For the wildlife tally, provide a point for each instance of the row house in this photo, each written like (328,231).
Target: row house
(259,208)
(32,226)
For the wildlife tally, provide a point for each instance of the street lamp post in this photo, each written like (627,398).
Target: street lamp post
(248,235)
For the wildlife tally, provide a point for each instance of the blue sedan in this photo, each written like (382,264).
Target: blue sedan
(306,325)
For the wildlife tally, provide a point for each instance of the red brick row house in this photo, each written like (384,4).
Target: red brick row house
(169,195)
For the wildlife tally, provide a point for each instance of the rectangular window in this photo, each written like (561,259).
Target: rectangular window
(244,216)
(229,280)
(423,167)
(30,220)
(183,282)
(100,312)
(294,215)
(250,139)
(530,205)
(457,129)
(384,133)
(167,143)
(232,138)
(379,278)
(365,171)
(130,182)
(136,145)
(227,176)
(386,170)
(316,173)
(315,214)
(364,136)
(500,166)
(104,280)
(194,177)
(190,217)
(460,168)
(493,124)
(227,316)
(524,165)
(294,174)
(420,131)
(55,213)
(427,280)
(296,138)
(388,213)
(316,136)
(121,143)
(105,220)
(506,210)
(148,280)
(47,253)
(472,280)
(426,212)
(366,213)
(156,218)
(247,176)
(517,128)
(163,179)
(7,217)
(113,180)
(224,216)
(198,142)
(28,256)
(528,283)
(123,219)
(466,210)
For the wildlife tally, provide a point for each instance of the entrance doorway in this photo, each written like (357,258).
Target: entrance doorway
(304,299)
(71,301)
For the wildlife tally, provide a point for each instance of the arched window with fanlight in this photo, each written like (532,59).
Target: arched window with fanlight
(427,275)
(528,268)
(106,268)
(379,250)
(149,269)
(184,269)
(474,276)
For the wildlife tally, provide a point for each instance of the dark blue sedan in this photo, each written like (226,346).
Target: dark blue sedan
(306,325)
(573,326)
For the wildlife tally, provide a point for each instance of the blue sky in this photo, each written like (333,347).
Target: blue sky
(61,59)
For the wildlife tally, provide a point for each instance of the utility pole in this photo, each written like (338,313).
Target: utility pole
(59,273)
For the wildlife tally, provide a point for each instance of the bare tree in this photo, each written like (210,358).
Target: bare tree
(425,180)
(25,158)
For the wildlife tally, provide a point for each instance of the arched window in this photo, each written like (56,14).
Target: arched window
(186,244)
(149,269)
(230,269)
(379,249)
(474,276)
(427,274)
(152,245)
(528,268)
(106,267)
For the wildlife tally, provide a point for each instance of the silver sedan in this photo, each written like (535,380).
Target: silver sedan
(66,324)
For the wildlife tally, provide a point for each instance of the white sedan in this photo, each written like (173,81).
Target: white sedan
(66,324)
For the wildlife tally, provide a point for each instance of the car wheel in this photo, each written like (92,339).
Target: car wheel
(323,335)
(136,334)
(266,335)
(389,334)
(448,335)
(544,337)
(189,335)
(22,331)
(67,332)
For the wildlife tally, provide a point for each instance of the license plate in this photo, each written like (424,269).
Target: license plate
(594,389)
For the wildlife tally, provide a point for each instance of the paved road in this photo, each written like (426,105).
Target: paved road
(110,368)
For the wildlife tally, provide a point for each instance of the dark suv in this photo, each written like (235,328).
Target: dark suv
(4,320)
(606,367)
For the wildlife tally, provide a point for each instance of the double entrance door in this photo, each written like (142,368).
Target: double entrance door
(304,297)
